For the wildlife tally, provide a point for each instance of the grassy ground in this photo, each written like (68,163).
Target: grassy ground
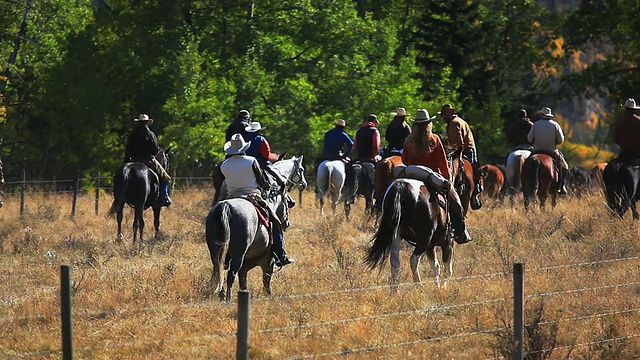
(581,287)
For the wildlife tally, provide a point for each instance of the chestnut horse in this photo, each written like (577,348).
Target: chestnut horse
(493,180)
(462,179)
(382,178)
(539,177)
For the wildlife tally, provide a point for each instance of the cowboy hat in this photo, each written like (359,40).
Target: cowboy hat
(401,112)
(236,145)
(253,127)
(340,122)
(546,113)
(631,104)
(422,116)
(143,117)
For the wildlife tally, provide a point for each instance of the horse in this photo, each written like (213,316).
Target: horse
(621,179)
(383,176)
(408,213)
(359,182)
(136,185)
(539,177)
(330,179)
(596,175)
(237,232)
(515,160)
(493,180)
(462,180)
(579,180)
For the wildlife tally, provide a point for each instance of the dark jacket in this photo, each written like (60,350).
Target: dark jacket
(516,132)
(142,144)
(237,127)
(367,142)
(397,132)
(336,144)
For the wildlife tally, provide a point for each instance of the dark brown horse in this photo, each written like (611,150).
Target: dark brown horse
(408,214)
(382,177)
(539,178)
(462,175)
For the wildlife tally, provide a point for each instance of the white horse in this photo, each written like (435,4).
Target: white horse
(330,179)
(514,167)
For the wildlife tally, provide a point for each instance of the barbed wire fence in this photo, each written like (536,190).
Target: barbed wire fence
(243,331)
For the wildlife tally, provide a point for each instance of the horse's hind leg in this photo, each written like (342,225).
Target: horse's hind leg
(119,211)
(415,267)
(447,259)
(394,259)
(267,273)
(138,224)
(435,265)
(156,220)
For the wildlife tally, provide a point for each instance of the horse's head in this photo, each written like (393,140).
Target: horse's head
(297,176)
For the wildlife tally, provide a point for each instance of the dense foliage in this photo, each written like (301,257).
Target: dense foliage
(75,74)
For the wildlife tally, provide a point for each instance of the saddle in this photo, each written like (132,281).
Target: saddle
(265,214)
(437,185)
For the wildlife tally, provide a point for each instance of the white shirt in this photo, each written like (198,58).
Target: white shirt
(545,134)
(239,176)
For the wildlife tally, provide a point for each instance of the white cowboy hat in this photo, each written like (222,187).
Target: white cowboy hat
(631,104)
(236,145)
(546,113)
(253,127)
(340,122)
(401,112)
(143,117)
(422,116)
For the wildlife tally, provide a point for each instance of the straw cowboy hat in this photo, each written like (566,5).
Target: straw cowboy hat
(422,116)
(340,122)
(401,112)
(236,145)
(631,104)
(143,117)
(546,113)
(253,127)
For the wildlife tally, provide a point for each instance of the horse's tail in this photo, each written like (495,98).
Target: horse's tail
(388,228)
(517,181)
(534,176)
(120,188)
(217,235)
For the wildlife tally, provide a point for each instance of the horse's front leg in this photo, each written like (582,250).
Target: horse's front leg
(156,220)
(267,272)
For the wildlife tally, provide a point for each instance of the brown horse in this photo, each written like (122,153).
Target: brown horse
(493,180)
(596,175)
(382,178)
(539,177)
(462,179)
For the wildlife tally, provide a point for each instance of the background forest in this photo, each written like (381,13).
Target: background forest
(74,74)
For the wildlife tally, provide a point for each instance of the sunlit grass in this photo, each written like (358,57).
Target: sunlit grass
(155,303)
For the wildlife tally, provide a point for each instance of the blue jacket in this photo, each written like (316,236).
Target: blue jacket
(335,142)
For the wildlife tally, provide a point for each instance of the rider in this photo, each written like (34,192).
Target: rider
(337,143)
(397,132)
(142,146)
(423,147)
(367,142)
(242,120)
(545,135)
(517,131)
(245,178)
(627,131)
(460,136)
(261,150)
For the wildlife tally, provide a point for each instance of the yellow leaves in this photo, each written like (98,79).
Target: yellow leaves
(585,155)
(557,47)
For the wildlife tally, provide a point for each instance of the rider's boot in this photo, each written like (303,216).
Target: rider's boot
(277,248)
(476,177)
(164,200)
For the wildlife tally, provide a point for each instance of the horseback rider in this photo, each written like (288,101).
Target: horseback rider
(460,136)
(397,132)
(545,136)
(516,132)
(627,131)
(261,150)
(142,146)
(367,145)
(245,178)
(425,148)
(337,143)
(242,120)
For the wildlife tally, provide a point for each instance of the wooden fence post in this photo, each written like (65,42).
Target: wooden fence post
(65,311)
(518,310)
(22,191)
(75,196)
(242,343)
(97,205)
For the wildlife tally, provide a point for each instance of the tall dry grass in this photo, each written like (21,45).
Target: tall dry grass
(155,303)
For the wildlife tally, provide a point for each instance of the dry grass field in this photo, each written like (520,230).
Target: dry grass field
(582,287)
